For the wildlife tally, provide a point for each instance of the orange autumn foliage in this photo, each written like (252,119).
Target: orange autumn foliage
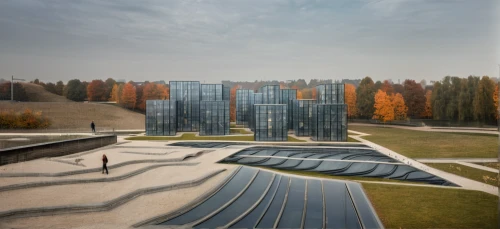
(25,120)
(428,106)
(128,97)
(387,88)
(313,93)
(350,100)
(153,91)
(232,103)
(384,110)
(96,90)
(400,108)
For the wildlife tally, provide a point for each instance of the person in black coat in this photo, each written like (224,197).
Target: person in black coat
(104,162)
(92,126)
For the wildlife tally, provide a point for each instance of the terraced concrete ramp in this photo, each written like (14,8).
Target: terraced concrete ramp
(254,198)
(352,161)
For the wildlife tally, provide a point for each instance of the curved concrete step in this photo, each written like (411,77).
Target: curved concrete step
(105,206)
(81,181)
(68,173)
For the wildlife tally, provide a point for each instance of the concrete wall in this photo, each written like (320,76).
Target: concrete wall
(54,149)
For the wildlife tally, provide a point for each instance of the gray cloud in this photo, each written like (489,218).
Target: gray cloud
(247,40)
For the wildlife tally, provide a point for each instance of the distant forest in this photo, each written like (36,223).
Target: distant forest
(456,99)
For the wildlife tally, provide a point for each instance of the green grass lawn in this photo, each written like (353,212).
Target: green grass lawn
(494,165)
(401,206)
(239,131)
(424,144)
(349,139)
(467,172)
(194,137)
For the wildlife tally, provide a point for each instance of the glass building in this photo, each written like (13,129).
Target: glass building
(330,93)
(270,122)
(226,92)
(257,99)
(211,92)
(288,97)
(271,94)
(161,118)
(244,100)
(187,95)
(302,116)
(214,118)
(329,122)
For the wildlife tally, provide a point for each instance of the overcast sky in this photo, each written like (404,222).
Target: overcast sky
(211,40)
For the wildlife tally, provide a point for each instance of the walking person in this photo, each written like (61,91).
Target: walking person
(104,162)
(92,126)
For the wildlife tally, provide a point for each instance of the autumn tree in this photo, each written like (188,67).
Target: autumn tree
(365,98)
(384,109)
(299,92)
(128,97)
(314,93)
(398,88)
(115,96)
(96,91)
(350,100)
(414,97)
(232,103)
(152,91)
(428,105)
(387,87)
(110,83)
(400,108)
(50,87)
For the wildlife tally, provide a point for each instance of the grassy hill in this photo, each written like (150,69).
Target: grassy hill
(76,116)
(37,93)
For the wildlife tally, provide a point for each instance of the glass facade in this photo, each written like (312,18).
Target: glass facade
(330,93)
(302,116)
(271,122)
(288,96)
(226,92)
(271,94)
(244,99)
(214,118)
(160,118)
(211,92)
(257,99)
(187,95)
(329,122)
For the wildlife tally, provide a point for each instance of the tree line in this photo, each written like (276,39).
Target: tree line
(471,99)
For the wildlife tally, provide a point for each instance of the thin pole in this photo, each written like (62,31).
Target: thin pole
(12,89)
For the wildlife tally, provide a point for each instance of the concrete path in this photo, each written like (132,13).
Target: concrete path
(478,167)
(492,131)
(455,160)
(461,181)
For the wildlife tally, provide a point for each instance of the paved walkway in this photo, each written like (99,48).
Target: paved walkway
(434,129)
(463,182)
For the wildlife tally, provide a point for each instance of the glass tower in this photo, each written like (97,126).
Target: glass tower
(211,92)
(330,93)
(271,94)
(257,99)
(226,92)
(270,122)
(302,116)
(288,96)
(329,122)
(160,118)
(214,118)
(187,95)
(244,99)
